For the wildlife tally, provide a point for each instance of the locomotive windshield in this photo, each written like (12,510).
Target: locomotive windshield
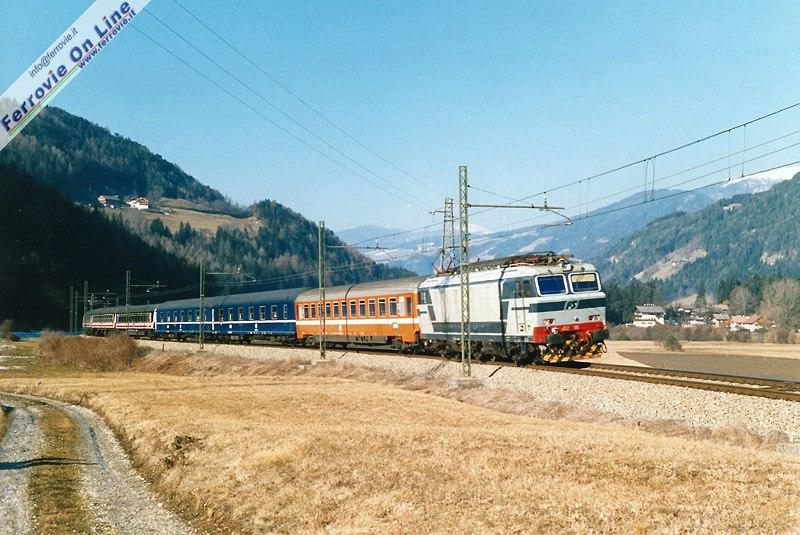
(584,282)
(551,284)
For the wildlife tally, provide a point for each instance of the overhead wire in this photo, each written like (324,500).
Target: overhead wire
(270,120)
(304,102)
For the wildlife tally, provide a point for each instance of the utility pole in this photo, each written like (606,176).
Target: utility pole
(202,302)
(321,254)
(127,297)
(463,217)
(75,309)
(463,213)
(85,300)
(71,304)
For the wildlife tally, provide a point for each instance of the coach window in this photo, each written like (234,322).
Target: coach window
(183,316)
(262,313)
(409,306)
(336,309)
(393,306)
(344,309)
(274,311)
(286,312)
(313,311)
(327,310)
(551,284)
(230,314)
(362,308)
(251,315)
(353,309)
(371,308)
(205,314)
(382,307)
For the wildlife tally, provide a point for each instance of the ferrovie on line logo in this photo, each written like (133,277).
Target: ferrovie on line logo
(61,61)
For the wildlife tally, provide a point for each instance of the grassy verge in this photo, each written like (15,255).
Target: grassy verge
(4,421)
(55,481)
(290,449)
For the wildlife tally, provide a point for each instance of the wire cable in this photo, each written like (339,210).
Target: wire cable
(304,102)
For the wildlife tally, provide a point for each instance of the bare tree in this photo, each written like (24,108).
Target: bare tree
(742,301)
(780,305)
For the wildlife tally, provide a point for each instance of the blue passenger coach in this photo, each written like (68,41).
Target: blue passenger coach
(259,315)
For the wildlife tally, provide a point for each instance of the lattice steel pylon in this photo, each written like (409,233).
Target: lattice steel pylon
(463,269)
(447,254)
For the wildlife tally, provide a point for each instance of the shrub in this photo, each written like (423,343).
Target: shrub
(6,329)
(115,353)
(670,342)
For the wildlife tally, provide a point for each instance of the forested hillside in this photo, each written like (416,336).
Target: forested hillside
(755,234)
(47,244)
(84,160)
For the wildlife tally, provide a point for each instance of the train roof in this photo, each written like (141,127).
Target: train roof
(364,289)
(235,299)
(132,309)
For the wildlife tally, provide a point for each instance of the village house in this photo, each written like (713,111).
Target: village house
(109,201)
(746,323)
(722,320)
(140,203)
(648,316)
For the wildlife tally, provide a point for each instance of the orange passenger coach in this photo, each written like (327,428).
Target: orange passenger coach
(383,312)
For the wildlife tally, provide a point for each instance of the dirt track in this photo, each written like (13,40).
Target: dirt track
(117,498)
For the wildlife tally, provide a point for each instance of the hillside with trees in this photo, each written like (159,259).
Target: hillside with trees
(84,160)
(52,240)
(48,244)
(747,235)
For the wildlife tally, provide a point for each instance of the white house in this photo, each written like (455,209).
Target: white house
(648,316)
(140,203)
(746,323)
(109,201)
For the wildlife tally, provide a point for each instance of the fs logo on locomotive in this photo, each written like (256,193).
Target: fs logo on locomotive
(62,60)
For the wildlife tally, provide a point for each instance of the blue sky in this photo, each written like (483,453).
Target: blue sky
(528,95)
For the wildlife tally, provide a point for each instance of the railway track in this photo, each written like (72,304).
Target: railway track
(730,384)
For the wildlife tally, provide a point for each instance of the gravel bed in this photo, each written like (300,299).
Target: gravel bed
(117,496)
(616,397)
(23,442)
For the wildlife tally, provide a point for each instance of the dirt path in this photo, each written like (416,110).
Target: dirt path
(20,445)
(116,497)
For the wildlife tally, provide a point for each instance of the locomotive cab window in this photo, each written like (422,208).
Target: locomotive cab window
(551,284)
(584,282)
(424,297)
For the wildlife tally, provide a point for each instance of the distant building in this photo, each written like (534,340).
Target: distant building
(109,201)
(140,203)
(746,323)
(721,320)
(732,206)
(648,316)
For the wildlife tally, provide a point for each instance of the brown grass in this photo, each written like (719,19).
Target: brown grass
(4,421)
(54,481)
(115,353)
(200,221)
(710,348)
(282,446)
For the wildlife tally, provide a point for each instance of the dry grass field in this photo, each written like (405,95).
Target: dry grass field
(285,447)
(200,221)
(710,348)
